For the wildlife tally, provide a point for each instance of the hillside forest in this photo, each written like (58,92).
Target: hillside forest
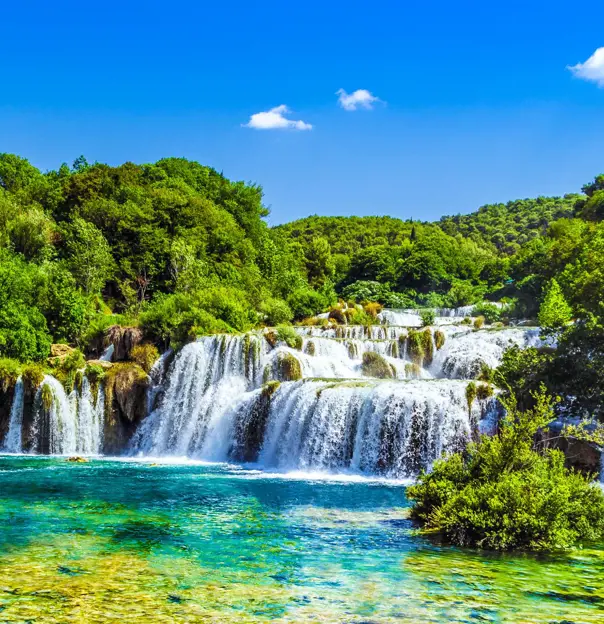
(178,250)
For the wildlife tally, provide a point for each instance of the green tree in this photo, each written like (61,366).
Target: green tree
(554,311)
(88,255)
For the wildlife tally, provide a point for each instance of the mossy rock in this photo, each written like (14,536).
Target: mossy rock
(47,397)
(428,346)
(289,336)
(310,348)
(374,365)
(288,367)
(271,337)
(413,371)
(415,347)
(439,339)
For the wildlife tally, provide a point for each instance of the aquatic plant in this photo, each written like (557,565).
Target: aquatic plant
(478,322)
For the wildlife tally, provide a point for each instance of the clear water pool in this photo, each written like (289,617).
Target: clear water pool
(110,541)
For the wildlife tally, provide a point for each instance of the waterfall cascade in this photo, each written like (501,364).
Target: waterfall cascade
(385,399)
(237,398)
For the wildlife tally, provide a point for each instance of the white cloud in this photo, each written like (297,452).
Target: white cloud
(593,68)
(274,120)
(361,98)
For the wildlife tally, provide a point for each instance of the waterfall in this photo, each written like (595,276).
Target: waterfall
(377,400)
(65,424)
(239,398)
(464,353)
(12,442)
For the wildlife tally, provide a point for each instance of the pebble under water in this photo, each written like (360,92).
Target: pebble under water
(135,541)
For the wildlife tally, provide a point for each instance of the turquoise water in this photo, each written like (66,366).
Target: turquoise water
(110,541)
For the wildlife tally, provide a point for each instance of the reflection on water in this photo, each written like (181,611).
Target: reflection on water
(115,541)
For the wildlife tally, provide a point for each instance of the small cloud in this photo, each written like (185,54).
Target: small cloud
(361,98)
(274,120)
(593,68)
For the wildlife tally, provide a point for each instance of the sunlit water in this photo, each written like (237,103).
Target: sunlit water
(127,541)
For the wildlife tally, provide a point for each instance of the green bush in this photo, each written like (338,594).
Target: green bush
(276,311)
(427,317)
(305,302)
(502,494)
(9,373)
(145,355)
(289,336)
(490,312)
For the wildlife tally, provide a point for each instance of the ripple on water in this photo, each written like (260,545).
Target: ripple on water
(109,541)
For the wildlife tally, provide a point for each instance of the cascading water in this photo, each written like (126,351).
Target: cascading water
(373,400)
(61,424)
(12,442)
(237,398)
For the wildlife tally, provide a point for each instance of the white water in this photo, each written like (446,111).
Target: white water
(73,424)
(212,404)
(12,442)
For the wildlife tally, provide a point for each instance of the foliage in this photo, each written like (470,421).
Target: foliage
(289,336)
(145,355)
(9,373)
(554,311)
(502,494)
(427,317)
(489,311)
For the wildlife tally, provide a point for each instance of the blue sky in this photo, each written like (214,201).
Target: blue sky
(477,104)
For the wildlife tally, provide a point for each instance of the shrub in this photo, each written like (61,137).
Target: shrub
(439,339)
(9,373)
(33,375)
(478,322)
(145,355)
(467,321)
(372,309)
(490,312)
(374,365)
(338,315)
(502,494)
(276,311)
(471,394)
(289,336)
(305,302)
(427,317)
(484,391)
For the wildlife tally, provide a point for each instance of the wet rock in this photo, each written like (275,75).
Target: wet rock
(123,339)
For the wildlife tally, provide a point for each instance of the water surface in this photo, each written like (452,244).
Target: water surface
(111,541)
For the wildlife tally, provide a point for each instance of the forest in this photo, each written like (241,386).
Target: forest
(177,249)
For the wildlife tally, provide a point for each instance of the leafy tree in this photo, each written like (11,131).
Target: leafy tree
(554,312)
(88,255)
(503,494)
